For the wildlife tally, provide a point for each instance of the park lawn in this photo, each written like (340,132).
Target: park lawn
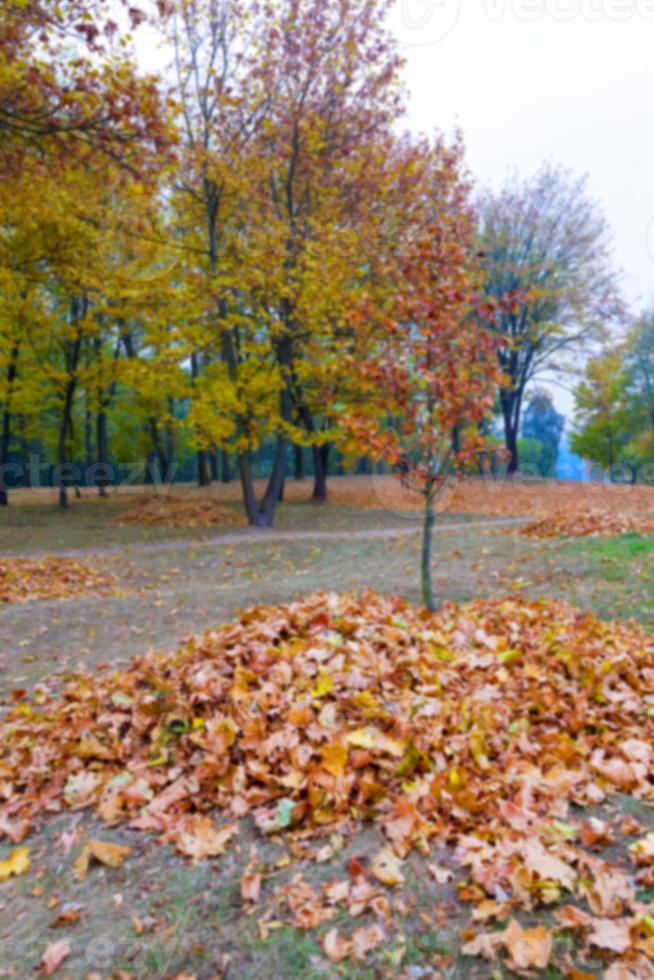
(158,916)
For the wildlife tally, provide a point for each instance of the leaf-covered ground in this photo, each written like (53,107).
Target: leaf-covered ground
(173,511)
(476,737)
(160,915)
(587,523)
(28,580)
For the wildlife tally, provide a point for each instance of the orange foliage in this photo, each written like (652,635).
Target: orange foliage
(584,524)
(23,580)
(477,725)
(175,512)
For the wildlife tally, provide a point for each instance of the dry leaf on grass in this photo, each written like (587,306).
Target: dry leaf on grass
(111,855)
(18,863)
(54,956)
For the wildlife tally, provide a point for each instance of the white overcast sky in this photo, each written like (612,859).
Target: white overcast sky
(568,80)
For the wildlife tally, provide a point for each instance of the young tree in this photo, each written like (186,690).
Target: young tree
(434,368)
(543,241)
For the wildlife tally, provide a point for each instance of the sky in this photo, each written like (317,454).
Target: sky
(526,80)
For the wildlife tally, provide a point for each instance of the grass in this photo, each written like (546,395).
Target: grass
(157,916)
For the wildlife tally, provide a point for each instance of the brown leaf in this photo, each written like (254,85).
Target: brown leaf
(54,956)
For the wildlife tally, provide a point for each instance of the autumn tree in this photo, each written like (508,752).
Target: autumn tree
(544,241)
(279,144)
(68,81)
(434,363)
(601,412)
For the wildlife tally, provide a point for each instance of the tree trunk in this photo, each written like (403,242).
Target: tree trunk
(102,439)
(511,418)
(225,474)
(247,485)
(88,443)
(298,458)
(427,537)
(24,453)
(204,476)
(321,466)
(213,464)
(12,370)
(270,498)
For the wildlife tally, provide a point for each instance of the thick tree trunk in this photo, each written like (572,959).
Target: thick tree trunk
(275,486)
(270,498)
(247,485)
(511,416)
(321,468)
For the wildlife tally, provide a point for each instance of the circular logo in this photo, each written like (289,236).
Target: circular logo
(136,248)
(422,22)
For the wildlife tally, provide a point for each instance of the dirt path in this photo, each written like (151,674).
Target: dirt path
(266,536)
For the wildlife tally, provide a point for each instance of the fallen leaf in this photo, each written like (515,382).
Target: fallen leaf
(54,956)
(387,867)
(111,855)
(18,863)
(528,948)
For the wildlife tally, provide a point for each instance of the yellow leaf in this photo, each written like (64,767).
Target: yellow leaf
(18,863)
(334,758)
(361,738)
(324,684)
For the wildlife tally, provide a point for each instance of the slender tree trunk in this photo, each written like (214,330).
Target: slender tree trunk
(102,439)
(204,475)
(88,443)
(24,453)
(225,474)
(298,458)
(5,439)
(427,538)
(213,464)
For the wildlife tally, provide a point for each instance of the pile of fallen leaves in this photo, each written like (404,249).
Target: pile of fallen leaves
(178,512)
(23,580)
(478,727)
(585,524)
